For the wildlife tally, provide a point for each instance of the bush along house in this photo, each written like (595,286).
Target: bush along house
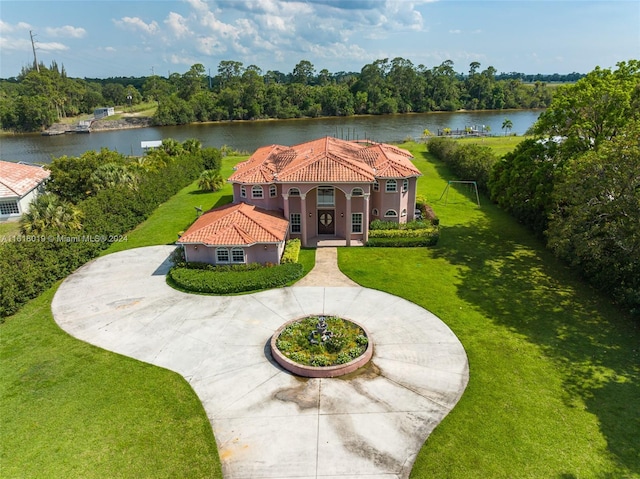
(322,189)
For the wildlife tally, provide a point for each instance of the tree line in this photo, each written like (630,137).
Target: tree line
(36,99)
(576,183)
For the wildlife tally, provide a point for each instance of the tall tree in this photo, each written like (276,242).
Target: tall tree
(595,225)
(594,109)
(303,72)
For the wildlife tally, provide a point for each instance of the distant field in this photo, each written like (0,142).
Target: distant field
(499,144)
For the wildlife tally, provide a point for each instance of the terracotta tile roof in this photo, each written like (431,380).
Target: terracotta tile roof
(236,224)
(16,180)
(325,160)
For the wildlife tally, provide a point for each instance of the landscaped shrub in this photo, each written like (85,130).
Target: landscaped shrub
(229,282)
(471,162)
(379,225)
(291,251)
(404,238)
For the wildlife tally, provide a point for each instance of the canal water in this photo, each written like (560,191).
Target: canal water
(248,135)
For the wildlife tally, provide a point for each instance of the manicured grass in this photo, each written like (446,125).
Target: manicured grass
(71,410)
(554,368)
(499,144)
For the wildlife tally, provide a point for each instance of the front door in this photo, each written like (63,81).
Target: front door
(326,223)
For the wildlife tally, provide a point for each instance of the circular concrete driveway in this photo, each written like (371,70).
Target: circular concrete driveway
(268,423)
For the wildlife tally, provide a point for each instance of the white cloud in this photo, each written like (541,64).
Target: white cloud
(8,28)
(137,24)
(177,24)
(52,47)
(110,49)
(67,31)
(455,32)
(14,44)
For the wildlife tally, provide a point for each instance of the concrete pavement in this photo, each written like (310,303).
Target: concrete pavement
(267,422)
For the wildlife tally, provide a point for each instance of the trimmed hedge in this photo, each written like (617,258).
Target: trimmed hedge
(291,251)
(404,242)
(229,282)
(404,237)
(471,161)
(30,267)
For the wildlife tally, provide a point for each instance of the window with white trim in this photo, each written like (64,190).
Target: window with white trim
(222,255)
(356,222)
(391,186)
(294,192)
(405,185)
(376,186)
(273,191)
(295,223)
(374,212)
(326,196)
(357,192)
(237,255)
(9,208)
(404,213)
(391,214)
(256,192)
(243,191)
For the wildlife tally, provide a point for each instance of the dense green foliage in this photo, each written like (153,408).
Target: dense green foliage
(522,182)
(578,182)
(411,234)
(63,231)
(220,281)
(469,161)
(382,87)
(291,251)
(35,99)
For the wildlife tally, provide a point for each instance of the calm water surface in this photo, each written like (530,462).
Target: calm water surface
(247,136)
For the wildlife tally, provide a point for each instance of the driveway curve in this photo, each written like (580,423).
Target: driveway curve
(267,422)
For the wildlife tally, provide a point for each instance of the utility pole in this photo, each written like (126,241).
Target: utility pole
(35,59)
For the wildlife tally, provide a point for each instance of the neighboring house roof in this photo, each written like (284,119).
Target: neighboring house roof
(16,180)
(325,160)
(236,224)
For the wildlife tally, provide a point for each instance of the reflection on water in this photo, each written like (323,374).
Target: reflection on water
(247,136)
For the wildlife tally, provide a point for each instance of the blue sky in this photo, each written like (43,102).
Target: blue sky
(96,38)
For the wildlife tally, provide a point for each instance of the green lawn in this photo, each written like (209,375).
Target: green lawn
(71,410)
(554,368)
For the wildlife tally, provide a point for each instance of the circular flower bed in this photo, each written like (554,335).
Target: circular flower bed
(321,346)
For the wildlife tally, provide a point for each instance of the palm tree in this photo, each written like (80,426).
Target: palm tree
(507,125)
(49,213)
(210,180)
(192,145)
(110,175)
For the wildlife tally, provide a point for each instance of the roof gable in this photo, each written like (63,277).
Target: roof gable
(325,160)
(16,180)
(236,224)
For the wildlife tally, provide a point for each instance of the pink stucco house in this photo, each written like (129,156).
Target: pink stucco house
(322,189)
